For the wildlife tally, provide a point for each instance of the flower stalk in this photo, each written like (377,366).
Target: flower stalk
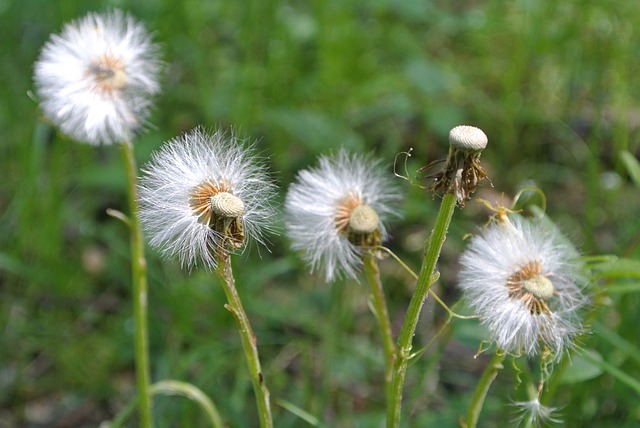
(490,373)
(139,280)
(202,197)
(379,303)
(424,283)
(457,181)
(249,341)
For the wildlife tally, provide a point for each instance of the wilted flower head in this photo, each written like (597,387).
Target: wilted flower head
(338,210)
(201,194)
(534,414)
(462,171)
(96,79)
(523,279)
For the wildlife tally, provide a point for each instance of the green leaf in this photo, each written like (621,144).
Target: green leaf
(623,288)
(582,367)
(632,165)
(614,267)
(302,414)
(619,342)
(614,371)
(171,387)
(174,387)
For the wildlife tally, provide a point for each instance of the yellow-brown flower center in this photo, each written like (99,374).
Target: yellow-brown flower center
(532,287)
(358,221)
(226,205)
(216,207)
(108,74)
(539,286)
(363,219)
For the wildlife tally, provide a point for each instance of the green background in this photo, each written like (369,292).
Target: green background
(554,84)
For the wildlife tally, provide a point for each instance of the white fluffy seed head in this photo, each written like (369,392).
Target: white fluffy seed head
(319,207)
(467,137)
(96,79)
(178,192)
(525,282)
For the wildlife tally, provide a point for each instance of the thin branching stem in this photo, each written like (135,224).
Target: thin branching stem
(381,312)
(450,312)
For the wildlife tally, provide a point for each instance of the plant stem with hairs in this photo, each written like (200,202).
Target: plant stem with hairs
(372,273)
(249,341)
(490,373)
(139,279)
(424,283)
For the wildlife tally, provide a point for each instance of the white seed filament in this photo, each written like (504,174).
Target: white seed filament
(226,205)
(363,219)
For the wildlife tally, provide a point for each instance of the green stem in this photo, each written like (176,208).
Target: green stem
(382,315)
(249,341)
(403,352)
(139,279)
(482,388)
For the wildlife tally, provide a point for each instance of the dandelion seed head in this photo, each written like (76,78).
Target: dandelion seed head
(203,193)
(95,80)
(337,210)
(524,280)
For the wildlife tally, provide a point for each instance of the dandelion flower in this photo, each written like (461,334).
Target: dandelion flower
(204,193)
(523,279)
(96,79)
(534,414)
(337,210)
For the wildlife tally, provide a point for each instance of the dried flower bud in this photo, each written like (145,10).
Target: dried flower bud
(462,172)
(465,137)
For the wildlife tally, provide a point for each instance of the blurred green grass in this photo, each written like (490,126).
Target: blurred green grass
(553,84)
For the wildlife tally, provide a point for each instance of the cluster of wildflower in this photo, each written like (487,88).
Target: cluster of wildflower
(204,194)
